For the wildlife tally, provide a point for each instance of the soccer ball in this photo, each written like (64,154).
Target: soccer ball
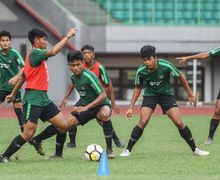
(93,152)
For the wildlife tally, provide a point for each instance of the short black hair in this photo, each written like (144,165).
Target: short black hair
(88,47)
(74,55)
(5,33)
(148,51)
(36,33)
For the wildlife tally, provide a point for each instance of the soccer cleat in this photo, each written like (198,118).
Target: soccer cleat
(209,141)
(125,153)
(4,159)
(119,144)
(37,146)
(110,154)
(71,145)
(55,156)
(200,152)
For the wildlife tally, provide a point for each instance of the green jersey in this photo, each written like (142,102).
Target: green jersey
(36,97)
(10,64)
(156,82)
(88,87)
(215,52)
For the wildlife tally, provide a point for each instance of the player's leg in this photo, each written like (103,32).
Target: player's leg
(104,116)
(115,138)
(174,114)
(32,115)
(19,114)
(214,121)
(72,136)
(72,122)
(137,132)
(58,123)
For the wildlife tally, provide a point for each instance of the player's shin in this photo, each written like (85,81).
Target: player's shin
(18,112)
(186,134)
(15,145)
(46,133)
(60,140)
(107,129)
(135,135)
(213,126)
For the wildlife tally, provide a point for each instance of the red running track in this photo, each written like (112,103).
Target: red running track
(8,112)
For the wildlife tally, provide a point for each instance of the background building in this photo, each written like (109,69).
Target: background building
(118,29)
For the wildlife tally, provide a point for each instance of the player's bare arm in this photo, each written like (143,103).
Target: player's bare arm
(102,96)
(20,82)
(196,56)
(192,98)
(68,92)
(112,98)
(57,48)
(136,94)
(14,79)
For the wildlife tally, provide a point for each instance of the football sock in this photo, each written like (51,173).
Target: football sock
(135,135)
(72,135)
(15,145)
(114,136)
(18,112)
(46,133)
(186,134)
(213,126)
(107,129)
(60,140)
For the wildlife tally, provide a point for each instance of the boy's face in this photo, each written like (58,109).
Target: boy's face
(76,66)
(150,62)
(5,42)
(88,55)
(41,42)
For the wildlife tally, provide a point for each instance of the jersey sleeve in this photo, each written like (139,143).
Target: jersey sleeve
(138,79)
(215,52)
(104,76)
(37,56)
(175,72)
(94,82)
(19,59)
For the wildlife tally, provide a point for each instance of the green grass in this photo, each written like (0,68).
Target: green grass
(160,153)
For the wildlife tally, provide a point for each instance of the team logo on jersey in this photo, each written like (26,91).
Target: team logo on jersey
(161,76)
(9,61)
(82,87)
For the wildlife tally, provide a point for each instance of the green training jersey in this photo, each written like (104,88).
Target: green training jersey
(10,64)
(215,52)
(31,96)
(156,82)
(88,87)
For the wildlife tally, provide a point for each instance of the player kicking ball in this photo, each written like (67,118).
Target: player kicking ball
(154,76)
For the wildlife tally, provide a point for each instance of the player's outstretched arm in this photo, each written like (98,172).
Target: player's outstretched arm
(68,92)
(20,82)
(57,48)
(136,94)
(196,56)
(112,98)
(192,98)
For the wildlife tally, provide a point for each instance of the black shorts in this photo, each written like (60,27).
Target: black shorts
(218,97)
(86,116)
(165,102)
(33,113)
(3,94)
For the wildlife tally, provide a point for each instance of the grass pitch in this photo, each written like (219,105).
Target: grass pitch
(160,153)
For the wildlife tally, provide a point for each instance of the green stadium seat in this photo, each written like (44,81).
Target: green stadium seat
(137,5)
(147,5)
(138,14)
(206,15)
(122,15)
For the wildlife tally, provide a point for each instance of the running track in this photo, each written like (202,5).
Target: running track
(8,112)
